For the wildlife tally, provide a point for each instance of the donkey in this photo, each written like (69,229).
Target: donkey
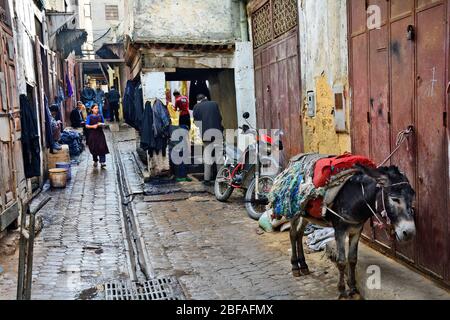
(384,191)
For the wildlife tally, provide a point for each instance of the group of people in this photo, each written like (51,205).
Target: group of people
(90,114)
(108,103)
(207,113)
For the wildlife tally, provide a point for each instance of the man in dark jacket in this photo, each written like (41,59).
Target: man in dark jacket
(208,114)
(76,116)
(113,101)
(88,95)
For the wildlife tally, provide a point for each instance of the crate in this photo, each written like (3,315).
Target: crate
(62,155)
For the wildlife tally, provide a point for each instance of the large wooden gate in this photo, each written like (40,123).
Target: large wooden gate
(12,177)
(277,69)
(399,76)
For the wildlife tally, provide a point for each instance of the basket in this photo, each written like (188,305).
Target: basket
(58,178)
(65,165)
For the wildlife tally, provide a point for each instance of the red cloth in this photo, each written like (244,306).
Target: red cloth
(182,104)
(314,208)
(326,168)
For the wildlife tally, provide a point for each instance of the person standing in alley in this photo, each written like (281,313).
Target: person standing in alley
(182,105)
(113,102)
(96,139)
(76,116)
(88,96)
(100,98)
(208,114)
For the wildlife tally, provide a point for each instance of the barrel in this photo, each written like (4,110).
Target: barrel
(65,165)
(58,178)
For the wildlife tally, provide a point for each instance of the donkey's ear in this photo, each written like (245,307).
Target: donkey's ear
(379,174)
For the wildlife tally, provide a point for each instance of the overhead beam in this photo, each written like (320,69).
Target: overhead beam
(101,61)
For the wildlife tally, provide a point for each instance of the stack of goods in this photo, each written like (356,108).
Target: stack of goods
(74,140)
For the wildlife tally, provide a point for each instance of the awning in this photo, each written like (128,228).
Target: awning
(69,40)
(111,51)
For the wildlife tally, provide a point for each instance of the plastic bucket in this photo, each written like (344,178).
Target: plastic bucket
(58,178)
(65,165)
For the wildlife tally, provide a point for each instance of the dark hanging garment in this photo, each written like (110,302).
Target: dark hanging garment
(30,138)
(138,106)
(161,126)
(196,88)
(128,104)
(148,141)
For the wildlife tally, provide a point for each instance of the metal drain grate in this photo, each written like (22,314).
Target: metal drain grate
(157,289)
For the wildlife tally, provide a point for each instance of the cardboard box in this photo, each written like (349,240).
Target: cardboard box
(62,155)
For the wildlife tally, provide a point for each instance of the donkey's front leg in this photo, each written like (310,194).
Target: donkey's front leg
(341,261)
(304,270)
(352,260)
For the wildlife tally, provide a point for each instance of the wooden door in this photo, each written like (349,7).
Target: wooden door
(277,70)
(399,74)
(12,178)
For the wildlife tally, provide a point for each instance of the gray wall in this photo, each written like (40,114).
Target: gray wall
(186,21)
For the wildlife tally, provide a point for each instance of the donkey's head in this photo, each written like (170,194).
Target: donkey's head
(395,197)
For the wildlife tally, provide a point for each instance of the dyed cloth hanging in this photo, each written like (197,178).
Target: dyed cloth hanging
(294,187)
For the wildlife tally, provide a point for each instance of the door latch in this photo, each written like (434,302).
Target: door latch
(411,34)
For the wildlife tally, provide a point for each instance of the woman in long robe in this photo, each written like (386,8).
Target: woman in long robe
(96,139)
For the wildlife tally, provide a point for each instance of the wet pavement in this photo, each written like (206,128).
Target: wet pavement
(213,249)
(81,245)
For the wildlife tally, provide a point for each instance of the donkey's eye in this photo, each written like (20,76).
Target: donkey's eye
(396,200)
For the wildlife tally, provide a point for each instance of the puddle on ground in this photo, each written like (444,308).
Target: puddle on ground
(88,294)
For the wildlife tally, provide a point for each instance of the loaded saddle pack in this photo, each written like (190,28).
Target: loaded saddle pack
(310,184)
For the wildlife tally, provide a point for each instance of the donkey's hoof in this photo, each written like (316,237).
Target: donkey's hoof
(296,273)
(305,272)
(355,295)
(343,296)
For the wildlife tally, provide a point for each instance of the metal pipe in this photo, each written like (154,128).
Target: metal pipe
(22,245)
(243,21)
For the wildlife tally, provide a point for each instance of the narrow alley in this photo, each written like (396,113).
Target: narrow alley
(224,150)
(213,249)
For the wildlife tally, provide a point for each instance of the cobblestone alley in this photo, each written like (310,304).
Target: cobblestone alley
(212,248)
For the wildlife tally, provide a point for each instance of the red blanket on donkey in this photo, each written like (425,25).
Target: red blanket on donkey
(326,168)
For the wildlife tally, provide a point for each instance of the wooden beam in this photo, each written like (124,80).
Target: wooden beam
(101,61)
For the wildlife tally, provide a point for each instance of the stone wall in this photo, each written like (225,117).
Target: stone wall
(187,21)
(324,67)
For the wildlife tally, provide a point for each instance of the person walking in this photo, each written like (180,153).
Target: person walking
(208,114)
(96,140)
(182,105)
(113,101)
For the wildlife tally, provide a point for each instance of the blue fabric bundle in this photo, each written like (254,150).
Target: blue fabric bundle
(74,140)
(294,187)
(284,195)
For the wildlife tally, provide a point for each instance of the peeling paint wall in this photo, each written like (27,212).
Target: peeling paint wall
(324,65)
(187,21)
